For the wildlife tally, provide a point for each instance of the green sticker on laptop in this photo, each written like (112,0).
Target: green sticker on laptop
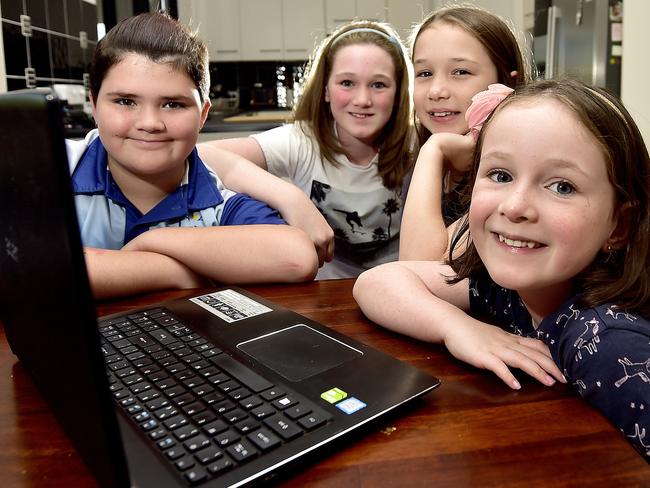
(334,395)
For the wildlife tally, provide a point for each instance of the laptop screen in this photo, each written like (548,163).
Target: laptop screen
(46,301)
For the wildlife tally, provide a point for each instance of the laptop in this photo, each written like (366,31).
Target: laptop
(220,389)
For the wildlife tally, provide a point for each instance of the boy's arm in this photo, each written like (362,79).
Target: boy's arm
(241,175)
(119,273)
(423,235)
(236,254)
(413,298)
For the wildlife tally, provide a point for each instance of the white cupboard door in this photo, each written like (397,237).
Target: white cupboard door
(371,10)
(217,22)
(261,30)
(304,27)
(339,12)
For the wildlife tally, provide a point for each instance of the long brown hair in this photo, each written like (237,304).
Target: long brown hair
(395,152)
(623,275)
(493,33)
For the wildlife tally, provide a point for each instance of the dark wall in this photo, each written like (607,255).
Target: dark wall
(63,37)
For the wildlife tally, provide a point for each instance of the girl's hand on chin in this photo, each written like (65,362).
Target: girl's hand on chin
(457,150)
(489,347)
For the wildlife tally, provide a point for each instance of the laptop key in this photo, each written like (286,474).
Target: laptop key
(162,336)
(185,432)
(157,403)
(196,475)
(283,426)
(251,402)
(175,422)
(149,425)
(223,406)
(235,415)
(148,395)
(204,417)
(297,411)
(174,453)
(272,394)
(165,413)
(184,463)
(221,465)
(213,428)
(284,402)
(312,421)
(242,451)
(157,434)
(184,399)
(213,397)
(241,373)
(196,443)
(207,455)
(264,439)
(263,411)
(193,408)
(226,438)
(247,425)
(166,442)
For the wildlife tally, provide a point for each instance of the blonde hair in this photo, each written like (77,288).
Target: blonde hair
(395,153)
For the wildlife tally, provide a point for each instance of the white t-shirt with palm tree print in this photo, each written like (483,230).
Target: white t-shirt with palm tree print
(364,214)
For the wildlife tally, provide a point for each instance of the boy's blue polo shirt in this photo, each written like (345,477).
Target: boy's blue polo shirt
(108,220)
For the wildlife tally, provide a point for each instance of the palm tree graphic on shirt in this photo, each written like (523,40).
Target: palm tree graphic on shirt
(391,206)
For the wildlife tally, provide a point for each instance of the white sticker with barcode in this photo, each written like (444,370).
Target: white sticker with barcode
(230,305)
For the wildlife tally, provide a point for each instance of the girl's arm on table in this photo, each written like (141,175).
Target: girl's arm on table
(119,273)
(423,235)
(413,298)
(237,254)
(241,175)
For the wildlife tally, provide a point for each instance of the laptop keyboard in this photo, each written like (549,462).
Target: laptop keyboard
(204,411)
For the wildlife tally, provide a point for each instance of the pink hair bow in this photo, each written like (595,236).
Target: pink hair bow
(483,103)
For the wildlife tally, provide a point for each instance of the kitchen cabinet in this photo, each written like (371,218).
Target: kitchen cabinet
(218,24)
(303,27)
(261,32)
(403,15)
(339,12)
(281,29)
(256,30)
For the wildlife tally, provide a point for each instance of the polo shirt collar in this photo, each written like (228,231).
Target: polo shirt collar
(198,189)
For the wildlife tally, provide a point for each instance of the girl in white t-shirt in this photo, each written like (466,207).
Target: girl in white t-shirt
(348,147)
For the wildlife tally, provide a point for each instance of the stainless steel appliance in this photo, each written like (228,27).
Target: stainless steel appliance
(581,39)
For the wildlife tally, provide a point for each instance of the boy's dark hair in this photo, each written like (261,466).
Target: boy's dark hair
(622,276)
(160,38)
(493,33)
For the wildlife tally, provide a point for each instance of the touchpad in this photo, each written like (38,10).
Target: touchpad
(298,352)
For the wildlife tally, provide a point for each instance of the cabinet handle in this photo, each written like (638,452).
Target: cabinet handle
(227,51)
(341,20)
(270,50)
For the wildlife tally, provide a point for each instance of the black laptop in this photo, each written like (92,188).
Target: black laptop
(222,389)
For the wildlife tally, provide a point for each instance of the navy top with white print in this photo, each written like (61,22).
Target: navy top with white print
(604,352)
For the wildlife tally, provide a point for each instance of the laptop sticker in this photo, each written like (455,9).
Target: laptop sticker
(350,405)
(230,306)
(334,395)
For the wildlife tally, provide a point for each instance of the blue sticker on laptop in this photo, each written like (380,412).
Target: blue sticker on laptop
(350,405)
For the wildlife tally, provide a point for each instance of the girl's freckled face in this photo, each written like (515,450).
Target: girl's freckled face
(542,205)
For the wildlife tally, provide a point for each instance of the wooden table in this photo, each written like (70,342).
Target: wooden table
(471,431)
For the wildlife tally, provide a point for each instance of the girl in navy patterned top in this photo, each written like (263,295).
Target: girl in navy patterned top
(549,272)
